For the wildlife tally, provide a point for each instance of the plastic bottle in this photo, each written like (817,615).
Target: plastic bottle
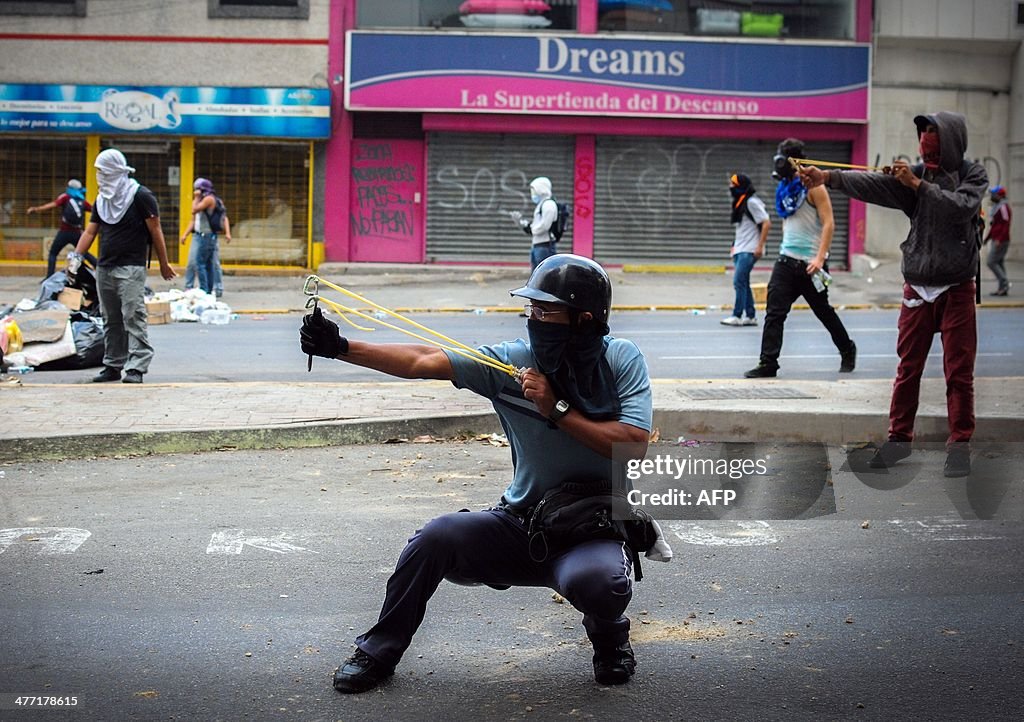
(821,281)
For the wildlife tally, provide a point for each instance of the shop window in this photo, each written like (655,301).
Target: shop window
(43,7)
(832,19)
(156,164)
(34,171)
(265,187)
(489,15)
(297,9)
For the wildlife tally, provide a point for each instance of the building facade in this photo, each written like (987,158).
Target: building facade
(230,90)
(638,112)
(407,131)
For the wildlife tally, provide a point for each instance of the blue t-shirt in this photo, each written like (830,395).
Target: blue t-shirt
(544,457)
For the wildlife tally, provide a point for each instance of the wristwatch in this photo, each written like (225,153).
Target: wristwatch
(560,410)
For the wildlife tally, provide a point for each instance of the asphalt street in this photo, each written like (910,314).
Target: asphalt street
(677,345)
(226,586)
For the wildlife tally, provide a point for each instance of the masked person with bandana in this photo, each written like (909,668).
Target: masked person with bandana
(752,226)
(545,213)
(127,219)
(942,199)
(72,219)
(582,393)
(807,227)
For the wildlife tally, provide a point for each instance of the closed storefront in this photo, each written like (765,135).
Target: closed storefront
(475,180)
(639,135)
(255,144)
(667,199)
(265,187)
(34,171)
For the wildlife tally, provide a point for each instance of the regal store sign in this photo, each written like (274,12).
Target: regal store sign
(587,75)
(200,111)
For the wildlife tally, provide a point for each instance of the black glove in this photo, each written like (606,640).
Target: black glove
(320,336)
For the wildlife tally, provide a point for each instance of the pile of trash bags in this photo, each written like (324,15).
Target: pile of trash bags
(44,334)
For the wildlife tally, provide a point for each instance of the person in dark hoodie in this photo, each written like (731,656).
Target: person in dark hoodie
(579,393)
(942,198)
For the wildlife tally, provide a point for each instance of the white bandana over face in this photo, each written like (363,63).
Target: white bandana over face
(116,189)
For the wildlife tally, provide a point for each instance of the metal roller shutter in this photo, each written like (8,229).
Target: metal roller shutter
(666,200)
(473,180)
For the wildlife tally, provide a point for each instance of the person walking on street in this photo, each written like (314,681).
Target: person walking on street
(942,197)
(581,393)
(545,213)
(752,225)
(802,267)
(204,254)
(128,220)
(1000,216)
(72,220)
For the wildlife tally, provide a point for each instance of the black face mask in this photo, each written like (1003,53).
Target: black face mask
(549,342)
(573,360)
(782,168)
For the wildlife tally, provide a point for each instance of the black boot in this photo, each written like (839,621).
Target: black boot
(848,359)
(762,371)
(360,673)
(889,453)
(107,374)
(614,665)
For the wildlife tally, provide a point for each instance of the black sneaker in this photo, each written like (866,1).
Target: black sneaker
(132,377)
(762,371)
(958,462)
(889,453)
(107,374)
(360,673)
(848,360)
(614,665)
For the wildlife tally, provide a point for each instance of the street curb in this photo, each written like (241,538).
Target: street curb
(635,307)
(360,431)
(698,424)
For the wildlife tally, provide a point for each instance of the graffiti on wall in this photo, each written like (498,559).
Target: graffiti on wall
(384,184)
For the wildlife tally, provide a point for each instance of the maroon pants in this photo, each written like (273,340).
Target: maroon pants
(952,315)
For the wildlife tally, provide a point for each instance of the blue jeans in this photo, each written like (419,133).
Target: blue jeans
(540,251)
(741,282)
(206,261)
(192,267)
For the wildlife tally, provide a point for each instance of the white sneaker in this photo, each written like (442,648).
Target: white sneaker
(731,321)
(749,321)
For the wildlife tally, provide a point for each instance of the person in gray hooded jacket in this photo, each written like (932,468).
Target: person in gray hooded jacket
(942,198)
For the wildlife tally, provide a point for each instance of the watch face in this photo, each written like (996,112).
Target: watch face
(562,406)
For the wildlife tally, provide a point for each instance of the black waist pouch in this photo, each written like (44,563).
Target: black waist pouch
(576,512)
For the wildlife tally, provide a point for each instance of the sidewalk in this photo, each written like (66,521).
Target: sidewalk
(40,420)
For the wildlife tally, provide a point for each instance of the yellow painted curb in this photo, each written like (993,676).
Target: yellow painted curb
(669,268)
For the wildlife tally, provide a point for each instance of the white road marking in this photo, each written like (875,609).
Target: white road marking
(947,528)
(49,539)
(233,540)
(747,534)
(809,356)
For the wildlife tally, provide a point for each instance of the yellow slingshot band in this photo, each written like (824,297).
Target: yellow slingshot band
(806,161)
(311,288)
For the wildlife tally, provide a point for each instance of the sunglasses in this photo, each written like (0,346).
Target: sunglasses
(539,313)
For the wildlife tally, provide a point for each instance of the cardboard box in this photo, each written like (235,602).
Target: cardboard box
(760,291)
(158,312)
(71,298)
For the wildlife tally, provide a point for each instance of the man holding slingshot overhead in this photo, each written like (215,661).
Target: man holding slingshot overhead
(565,398)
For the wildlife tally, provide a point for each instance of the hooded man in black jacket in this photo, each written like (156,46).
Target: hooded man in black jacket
(942,198)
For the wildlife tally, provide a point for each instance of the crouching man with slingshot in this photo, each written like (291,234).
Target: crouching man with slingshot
(565,398)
